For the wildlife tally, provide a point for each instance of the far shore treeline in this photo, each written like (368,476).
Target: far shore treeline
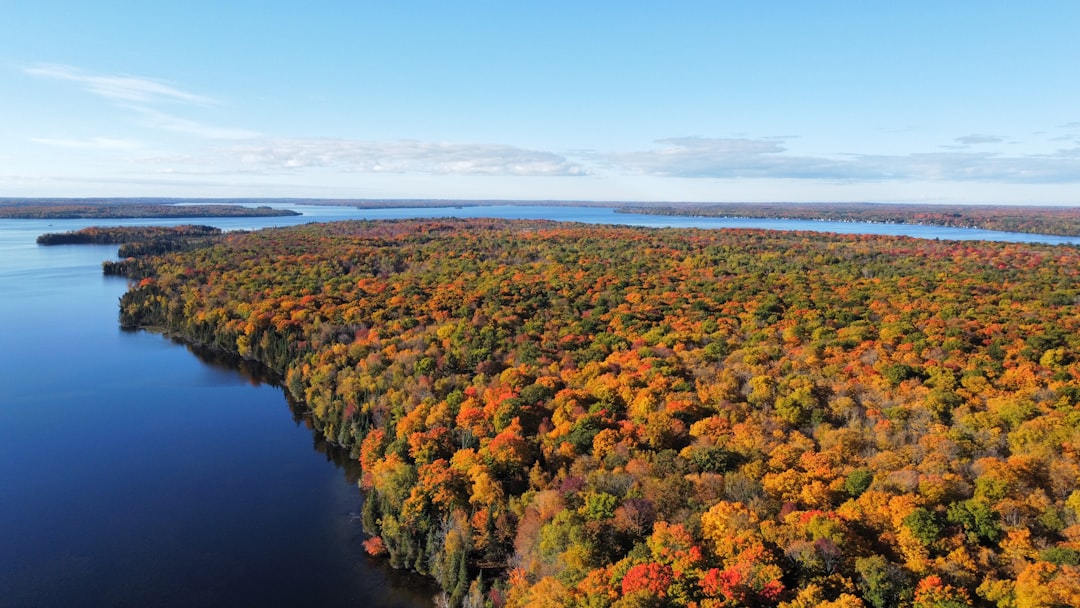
(1052,220)
(565,415)
(65,209)
(1059,221)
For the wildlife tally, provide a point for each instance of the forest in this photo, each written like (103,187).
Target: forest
(134,240)
(1060,221)
(111,235)
(551,414)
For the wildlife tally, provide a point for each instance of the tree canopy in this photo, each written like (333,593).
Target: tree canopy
(569,415)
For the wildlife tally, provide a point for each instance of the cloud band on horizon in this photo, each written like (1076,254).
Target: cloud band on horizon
(674,157)
(740,158)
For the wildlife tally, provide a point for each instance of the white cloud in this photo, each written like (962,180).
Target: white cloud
(93,143)
(405,156)
(1059,167)
(725,158)
(975,139)
(118,87)
(767,158)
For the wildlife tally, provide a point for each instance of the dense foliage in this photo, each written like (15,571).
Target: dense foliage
(81,209)
(1062,221)
(134,241)
(112,235)
(562,415)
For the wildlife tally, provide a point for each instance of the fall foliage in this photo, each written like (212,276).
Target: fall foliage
(568,415)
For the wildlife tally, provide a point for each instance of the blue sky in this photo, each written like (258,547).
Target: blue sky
(946,102)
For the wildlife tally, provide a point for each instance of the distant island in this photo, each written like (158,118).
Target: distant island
(427,203)
(134,240)
(67,209)
(105,235)
(1060,221)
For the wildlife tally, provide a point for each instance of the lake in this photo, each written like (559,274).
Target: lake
(136,474)
(137,471)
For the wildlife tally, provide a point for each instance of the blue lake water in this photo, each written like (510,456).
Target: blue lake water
(135,472)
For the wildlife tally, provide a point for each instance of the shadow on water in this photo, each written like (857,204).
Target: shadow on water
(254,372)
(420,589)
(257,374)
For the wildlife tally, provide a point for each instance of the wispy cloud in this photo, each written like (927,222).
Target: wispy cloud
(143,97)
(169,122)
(405,156)
(724,158)
(93,143)
(118,87)
(1058,167)
(976,139)
(768,158)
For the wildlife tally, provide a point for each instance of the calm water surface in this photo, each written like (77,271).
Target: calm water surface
(135,472)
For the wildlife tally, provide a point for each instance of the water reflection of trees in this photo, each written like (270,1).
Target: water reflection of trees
(253,372)
(257,374)
(336,454)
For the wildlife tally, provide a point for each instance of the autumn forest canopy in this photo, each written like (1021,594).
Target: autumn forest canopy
(565,415)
